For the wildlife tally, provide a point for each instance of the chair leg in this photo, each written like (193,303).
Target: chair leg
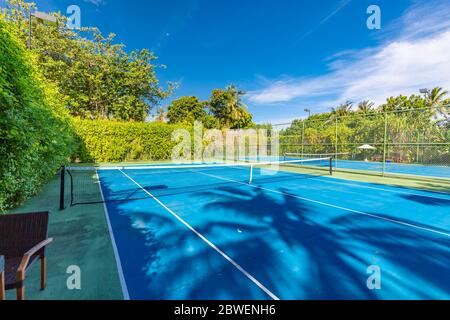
(21,293)
(43,272)
(2,286)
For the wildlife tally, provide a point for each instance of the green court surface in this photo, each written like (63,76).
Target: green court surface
(80,238)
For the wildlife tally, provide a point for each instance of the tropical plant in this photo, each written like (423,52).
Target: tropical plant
(161,115)
(408,119)
(186,110)
(365,106)
(226,105)
(437,99)
(97,78)
(342,110)
(35,130)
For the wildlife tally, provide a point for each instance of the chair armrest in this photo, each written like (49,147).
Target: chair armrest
(27,256)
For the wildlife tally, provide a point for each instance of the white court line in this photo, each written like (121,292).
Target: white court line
(333,206)
(331,180)
(123,284)
(234,263)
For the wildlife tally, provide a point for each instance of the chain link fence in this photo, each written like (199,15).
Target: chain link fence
(413,142)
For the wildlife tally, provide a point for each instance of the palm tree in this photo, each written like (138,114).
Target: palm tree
(436,99)
(160,116)
(342,110)
(234,103)
(365,106)
(227,106)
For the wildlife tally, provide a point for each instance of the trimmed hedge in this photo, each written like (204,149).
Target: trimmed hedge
(116,141)
(35,132)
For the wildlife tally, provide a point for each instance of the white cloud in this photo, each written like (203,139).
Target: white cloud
(95,2)
(418,57)
(421,20)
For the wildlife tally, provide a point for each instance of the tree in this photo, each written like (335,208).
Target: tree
(97,77)
(398,103)
(409,121)
(342,110)
(186,110)
(226,106)
(160,116)
(365,106)
(436,98)
(266,126)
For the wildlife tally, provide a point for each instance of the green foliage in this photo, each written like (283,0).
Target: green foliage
(365,107)
(409,120)
(223,110)
(97,77)
(266,126)
(227,107)
(35,134)
(116,141)
(160,115)
(186,110)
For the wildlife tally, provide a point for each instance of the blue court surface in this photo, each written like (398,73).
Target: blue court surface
(208,234)
(398,168)
(432,171)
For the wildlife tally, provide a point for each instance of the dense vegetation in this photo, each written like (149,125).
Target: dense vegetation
(100,80)
(114,141)
(96,77)
(35,135)
(223,110)
(415,129)
(75,94)
(83,74)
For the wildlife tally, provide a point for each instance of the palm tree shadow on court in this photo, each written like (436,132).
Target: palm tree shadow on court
(339,246)
(292,231)
(278,235)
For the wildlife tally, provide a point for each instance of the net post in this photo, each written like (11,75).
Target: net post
(62,172)
(251,175)
(384,144)
(331,166)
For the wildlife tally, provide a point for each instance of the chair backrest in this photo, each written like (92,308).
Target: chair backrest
(20,232)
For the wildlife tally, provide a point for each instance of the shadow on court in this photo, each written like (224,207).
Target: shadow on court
(165,260)
(427,200)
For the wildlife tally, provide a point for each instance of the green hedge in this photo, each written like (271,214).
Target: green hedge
(114,141)
(35,131)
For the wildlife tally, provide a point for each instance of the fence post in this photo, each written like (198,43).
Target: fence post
(384,143)
(61,188)
(303,137)
(418,147)
(331,166)
(336,146)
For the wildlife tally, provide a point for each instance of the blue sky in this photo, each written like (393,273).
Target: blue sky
(287,55)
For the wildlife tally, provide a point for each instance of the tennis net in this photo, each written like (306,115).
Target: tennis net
(81,185)
(300,156)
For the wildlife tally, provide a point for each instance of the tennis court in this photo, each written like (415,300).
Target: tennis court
(398,168)
(430,171)
(206,232)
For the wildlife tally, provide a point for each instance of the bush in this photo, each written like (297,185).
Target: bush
(35,132)
(115,141)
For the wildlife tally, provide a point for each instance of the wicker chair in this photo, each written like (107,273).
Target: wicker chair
(23,241)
